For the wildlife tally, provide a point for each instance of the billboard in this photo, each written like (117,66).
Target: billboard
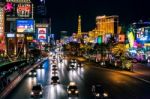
(131,38)
(2,35)
(10,35)
(25,26)
(24,10)
(121,38)
(99,39)
(42,33)
(143,34)
(18,10)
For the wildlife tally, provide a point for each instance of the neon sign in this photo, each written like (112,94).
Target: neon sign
(24,10)
(8,7)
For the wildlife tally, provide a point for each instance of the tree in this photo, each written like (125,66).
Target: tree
(119,50)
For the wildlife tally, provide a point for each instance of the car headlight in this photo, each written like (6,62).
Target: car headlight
(32,93)
(76,91)
(69,92)
(40,92)
(34,73)
(30,73)
(97,95)
(105,94)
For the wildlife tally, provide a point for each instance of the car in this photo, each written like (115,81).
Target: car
(73,60)
(32,73)
(98,92)
(54,69)
(102,63)
(54,65)
(55,80)
(54,72)
(72,89)
(71,66)
(37,90)
(41,66)
(80,64)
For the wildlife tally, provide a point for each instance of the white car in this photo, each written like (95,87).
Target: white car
(72,89)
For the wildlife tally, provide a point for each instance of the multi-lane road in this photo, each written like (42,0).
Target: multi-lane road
(118,86)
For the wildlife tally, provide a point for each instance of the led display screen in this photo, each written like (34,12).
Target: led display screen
(25,26)
(41,33)
(121,38)
(24,10)
(131,38)
(143,34)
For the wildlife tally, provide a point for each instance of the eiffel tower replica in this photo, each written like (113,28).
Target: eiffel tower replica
(79,33)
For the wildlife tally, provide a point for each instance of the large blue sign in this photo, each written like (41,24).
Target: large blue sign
(143,34)
(25,26)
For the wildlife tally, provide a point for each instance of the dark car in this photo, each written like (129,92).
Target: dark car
(55,80)
(74,61)
(98,92)
(54,72)
(72,89)
(37,91)
(71,66)
(54,66)
(32,73)
(40,66)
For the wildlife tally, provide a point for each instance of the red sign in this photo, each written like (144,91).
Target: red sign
(41,33)
(24,10)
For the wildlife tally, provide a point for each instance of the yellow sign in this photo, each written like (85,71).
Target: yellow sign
(29,38)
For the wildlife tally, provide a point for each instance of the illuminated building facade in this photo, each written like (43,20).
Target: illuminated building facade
(107,24)
(2,27)
(20,27)
(141,42)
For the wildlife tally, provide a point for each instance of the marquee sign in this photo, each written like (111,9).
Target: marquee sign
(19,1)
(20,9)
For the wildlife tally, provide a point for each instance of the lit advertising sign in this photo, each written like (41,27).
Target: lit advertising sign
(24,10)
(19,1)
(18,10)
(131,38)
(10,35)
(99,39)
(107,37)
(25,26)
(42,33)
(121,38)
(143,34)
(2,35)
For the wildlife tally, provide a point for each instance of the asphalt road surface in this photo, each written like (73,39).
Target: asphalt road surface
(117,85)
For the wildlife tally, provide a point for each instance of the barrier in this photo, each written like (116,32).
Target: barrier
(18,79)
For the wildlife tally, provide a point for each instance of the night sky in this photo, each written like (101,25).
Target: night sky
(64,13)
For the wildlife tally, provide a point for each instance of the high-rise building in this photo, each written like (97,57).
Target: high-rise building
(107,24)
(40,9)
